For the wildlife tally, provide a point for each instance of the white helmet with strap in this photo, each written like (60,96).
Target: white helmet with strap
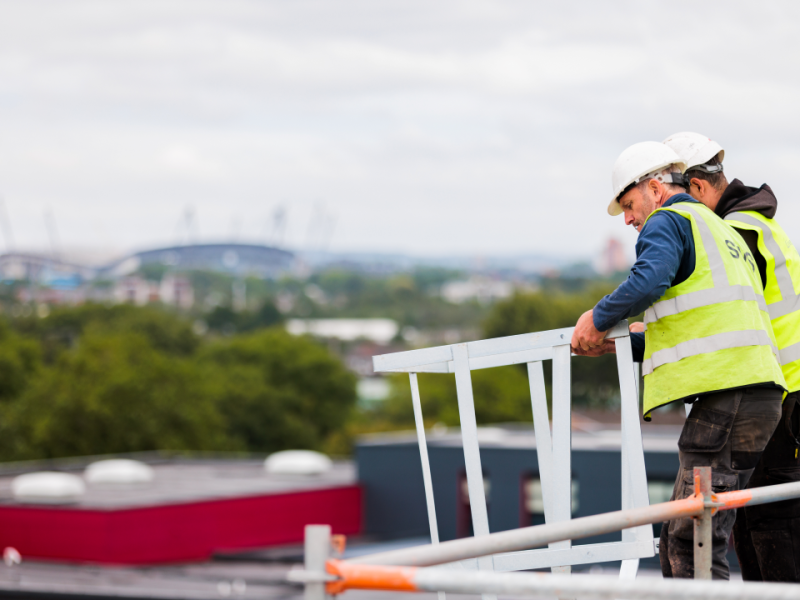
(696,150)
(641,161)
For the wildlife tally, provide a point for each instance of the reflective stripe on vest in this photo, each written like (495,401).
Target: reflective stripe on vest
(790,353)
(721,292)
(782,279)
(667,308)
(706,345)
(791,301)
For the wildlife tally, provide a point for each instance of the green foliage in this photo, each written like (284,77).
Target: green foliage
(594,380)
(115,392)
(125,378)
(501,395)
(225,320)
(61,330)
(153,271)
(20,361)
(278,391)
(411,299)
(540,311)
(103,379)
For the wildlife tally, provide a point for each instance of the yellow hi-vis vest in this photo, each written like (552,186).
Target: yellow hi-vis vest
(781,291)
(712,331)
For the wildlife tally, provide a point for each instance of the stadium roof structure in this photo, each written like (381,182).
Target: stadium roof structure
(239,259)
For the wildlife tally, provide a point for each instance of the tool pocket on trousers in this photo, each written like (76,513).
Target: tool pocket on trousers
(706,430)
(723,520)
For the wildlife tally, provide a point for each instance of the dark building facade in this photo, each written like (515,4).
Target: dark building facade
(390,473)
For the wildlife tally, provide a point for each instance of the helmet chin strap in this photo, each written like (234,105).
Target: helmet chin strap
(707,168)
(674,178)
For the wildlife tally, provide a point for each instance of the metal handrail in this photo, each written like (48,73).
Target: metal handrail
(583,586)
(369,572)
(583,527)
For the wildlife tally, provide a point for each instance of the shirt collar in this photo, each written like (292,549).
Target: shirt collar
(678,198)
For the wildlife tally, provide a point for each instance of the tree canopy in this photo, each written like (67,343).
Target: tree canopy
(96,379)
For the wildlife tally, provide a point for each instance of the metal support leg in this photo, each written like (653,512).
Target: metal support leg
(562,445)
(426,464)
(317,551)
(702,525)
(541,428)
(634,476)
(472,455)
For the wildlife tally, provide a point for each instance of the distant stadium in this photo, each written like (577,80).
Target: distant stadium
(240,259)
(236,259)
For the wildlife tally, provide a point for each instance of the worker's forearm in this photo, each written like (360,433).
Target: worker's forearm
(647,283)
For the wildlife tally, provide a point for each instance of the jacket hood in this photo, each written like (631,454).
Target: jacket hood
(737,197)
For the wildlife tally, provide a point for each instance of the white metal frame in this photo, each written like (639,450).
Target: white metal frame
(553,447)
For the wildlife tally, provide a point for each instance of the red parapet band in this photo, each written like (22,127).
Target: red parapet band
(369,577)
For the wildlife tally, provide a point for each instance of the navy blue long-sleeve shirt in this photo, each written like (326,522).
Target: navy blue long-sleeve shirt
(665,256)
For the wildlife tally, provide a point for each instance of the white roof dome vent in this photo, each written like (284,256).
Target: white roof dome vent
(297,462)
(47,487)
(118,471)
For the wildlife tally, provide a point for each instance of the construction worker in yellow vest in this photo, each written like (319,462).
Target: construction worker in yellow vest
(766,538)
(708,338)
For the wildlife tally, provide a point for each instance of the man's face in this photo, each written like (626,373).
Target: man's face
(637,205)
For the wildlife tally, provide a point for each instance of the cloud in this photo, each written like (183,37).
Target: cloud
(451,127)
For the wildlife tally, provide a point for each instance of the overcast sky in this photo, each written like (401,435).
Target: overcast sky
(427,127)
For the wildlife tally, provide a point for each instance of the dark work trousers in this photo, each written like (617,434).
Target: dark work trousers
(767,537)
(726,431)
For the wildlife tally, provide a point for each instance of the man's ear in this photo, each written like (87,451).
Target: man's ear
(697,187)
(658,190)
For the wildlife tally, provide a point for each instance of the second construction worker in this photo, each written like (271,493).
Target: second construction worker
(766,538)
(708,338)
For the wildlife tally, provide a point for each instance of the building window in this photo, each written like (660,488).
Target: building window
(464,526)
(659,490)
(533,500)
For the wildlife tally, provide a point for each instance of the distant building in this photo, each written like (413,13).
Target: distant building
(43,269)
(189,510)
(50,280)
(372,390)
(239,259)
(381,331)
(390,473)
(612,259)
(482,289)
(135,290)
(176,290)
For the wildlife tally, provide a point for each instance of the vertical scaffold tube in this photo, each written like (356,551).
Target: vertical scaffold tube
(702,525)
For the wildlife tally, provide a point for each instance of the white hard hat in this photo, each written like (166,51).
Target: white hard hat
(694,148)
(645,159)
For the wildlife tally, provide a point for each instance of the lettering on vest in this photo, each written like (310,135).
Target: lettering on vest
(736,252)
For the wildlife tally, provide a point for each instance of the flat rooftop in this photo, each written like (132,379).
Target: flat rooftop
(182,480)
(590,431)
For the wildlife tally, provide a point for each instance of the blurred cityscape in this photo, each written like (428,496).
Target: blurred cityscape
(359,304)
(159,379)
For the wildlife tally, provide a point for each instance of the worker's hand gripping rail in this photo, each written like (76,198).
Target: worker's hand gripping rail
(371,572)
